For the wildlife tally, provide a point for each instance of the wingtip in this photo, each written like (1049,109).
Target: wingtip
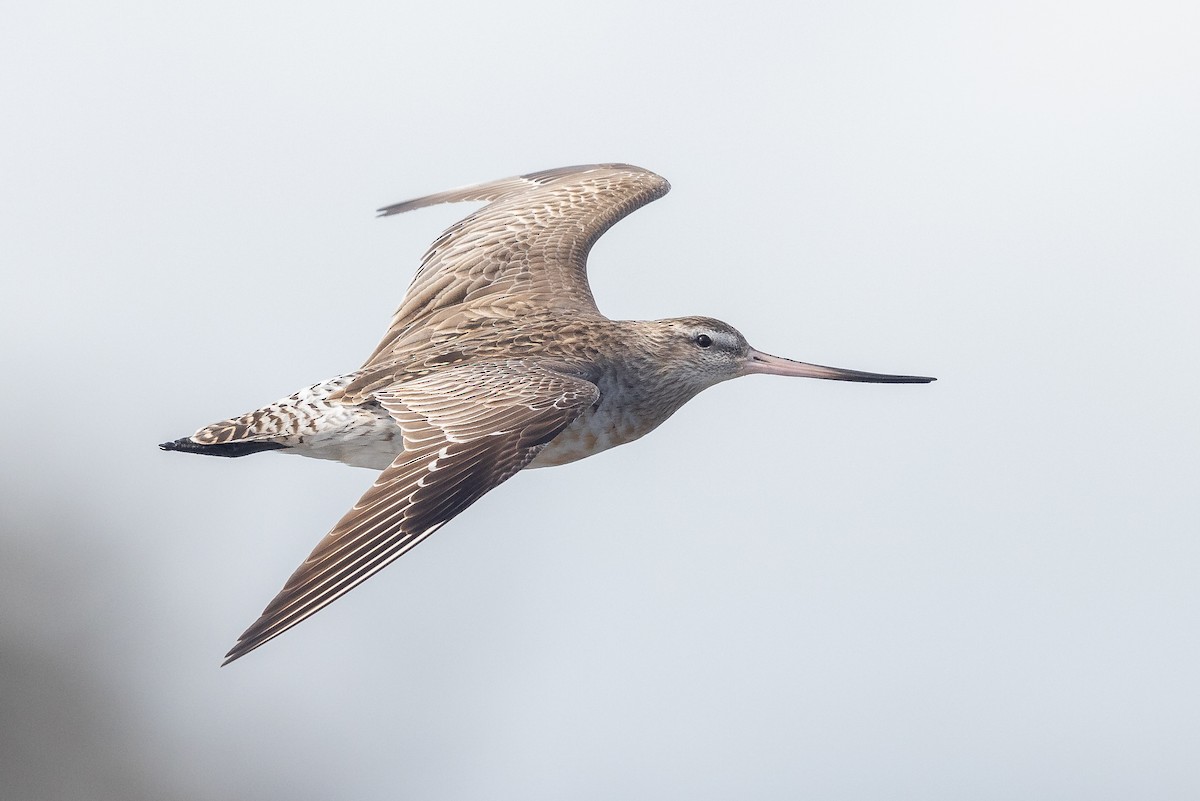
(252,638)
(258,635)
(240,649)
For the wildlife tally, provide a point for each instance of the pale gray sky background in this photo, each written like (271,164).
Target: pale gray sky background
(984,588)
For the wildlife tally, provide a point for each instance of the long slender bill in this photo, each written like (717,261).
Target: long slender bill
(759,362)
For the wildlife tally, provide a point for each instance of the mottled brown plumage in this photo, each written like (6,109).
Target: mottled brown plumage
(496,360)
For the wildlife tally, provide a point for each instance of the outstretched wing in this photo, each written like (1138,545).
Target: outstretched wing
(466,430)
(525,251)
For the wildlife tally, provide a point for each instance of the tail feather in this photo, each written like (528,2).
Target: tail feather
(307,422)
(230,449)
(240,436)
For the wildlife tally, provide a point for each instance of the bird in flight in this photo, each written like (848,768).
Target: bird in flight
(497,359)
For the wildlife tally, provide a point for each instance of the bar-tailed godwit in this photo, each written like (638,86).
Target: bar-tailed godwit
(496,360)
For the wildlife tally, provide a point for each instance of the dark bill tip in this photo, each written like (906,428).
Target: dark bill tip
(765,363)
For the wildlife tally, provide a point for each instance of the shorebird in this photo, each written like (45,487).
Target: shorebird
(497,359)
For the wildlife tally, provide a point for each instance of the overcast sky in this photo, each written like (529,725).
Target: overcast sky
(981,588)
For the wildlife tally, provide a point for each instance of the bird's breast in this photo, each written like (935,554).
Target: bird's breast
(592,432)
(621,416)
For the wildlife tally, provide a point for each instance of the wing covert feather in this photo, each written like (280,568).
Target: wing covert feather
(466,430)
(525,251)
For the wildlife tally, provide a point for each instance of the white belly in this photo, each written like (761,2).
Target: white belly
(353,435)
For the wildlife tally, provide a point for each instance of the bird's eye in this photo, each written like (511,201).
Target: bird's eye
(703,340)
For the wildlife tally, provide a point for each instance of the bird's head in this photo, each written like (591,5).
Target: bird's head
(703,352)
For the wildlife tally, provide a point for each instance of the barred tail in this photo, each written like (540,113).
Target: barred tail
(288,423)
(252,432)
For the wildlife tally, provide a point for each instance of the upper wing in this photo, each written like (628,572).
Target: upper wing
(466,429)
(526,250)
